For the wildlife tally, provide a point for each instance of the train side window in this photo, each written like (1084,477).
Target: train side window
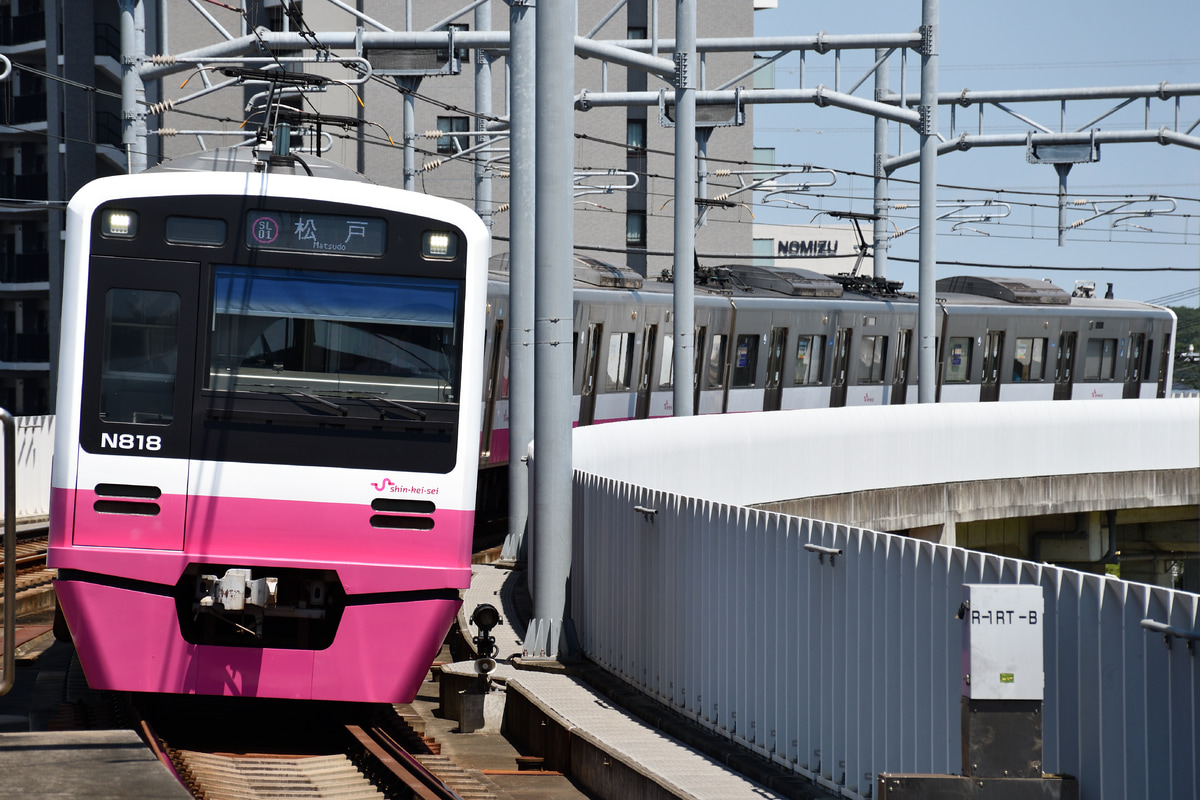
(620,362)
(1099,359)
(1029,360)
(810,357)
(141,352)
(666,364)
(872,358)
(745,367)
(958,365)
(504,373)
(716,362)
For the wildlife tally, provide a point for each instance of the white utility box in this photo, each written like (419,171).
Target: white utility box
(1002,642)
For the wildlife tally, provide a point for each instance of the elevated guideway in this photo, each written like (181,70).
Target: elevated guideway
(833,649)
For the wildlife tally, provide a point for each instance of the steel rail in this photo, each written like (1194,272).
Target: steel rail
(420,781)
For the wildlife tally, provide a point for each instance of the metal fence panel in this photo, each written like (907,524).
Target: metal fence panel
(847,669)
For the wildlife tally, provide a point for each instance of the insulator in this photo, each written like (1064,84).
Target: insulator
(1077,223)
(1080,202)
(168,131)
(158,108)
(900,206)
(503,174)
(429,166)
(721,173)
(434,134)
(723,196)
(163,60)
(503,207)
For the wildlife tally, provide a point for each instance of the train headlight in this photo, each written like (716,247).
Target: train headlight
(119,223)
(442,245)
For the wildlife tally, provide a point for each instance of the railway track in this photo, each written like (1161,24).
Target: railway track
(33,592)
(346,753)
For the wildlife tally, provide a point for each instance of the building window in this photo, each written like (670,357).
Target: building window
(872,356)
(810,353)
(635,33)
(453,144)
(635,228)
(764,78)
(764,157)
(1029,360)
(635,137)
(1099,360)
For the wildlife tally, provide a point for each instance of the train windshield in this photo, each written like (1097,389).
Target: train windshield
(334,334)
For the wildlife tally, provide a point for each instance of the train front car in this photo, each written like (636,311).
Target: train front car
(264,475)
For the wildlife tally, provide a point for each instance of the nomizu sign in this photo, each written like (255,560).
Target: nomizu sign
(829,249)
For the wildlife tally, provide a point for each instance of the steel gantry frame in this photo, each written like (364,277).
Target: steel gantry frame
(536,250)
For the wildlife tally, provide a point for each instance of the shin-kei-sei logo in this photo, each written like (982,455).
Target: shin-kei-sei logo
(387,485)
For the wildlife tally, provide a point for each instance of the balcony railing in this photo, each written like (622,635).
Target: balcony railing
(22,29)
(24,267)
(26,108)
(25,348)
(108,41)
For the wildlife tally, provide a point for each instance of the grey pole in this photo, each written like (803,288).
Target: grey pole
(523,154)
(684,324)
(1062,170)
(133,90)
(410,132)
(550,549)
(879,253)
(483,107)
(927,216)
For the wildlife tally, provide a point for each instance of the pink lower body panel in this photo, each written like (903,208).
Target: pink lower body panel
(130,641)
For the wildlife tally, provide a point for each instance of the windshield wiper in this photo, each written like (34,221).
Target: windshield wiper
(320,400)
(291,391)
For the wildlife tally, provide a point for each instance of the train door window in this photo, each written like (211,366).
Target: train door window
(775,357)
(1098,359)
(745,366)
(872,358)
(592,358)
(620,362)
(666,365)
(1133,364)
(649,340)
(716,362)
(903,346)
(810,357)
(141,351)
(504,374)
(1029,360)
(958,365)
(701,336)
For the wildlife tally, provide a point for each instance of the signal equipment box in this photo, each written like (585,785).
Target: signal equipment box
(1002,642)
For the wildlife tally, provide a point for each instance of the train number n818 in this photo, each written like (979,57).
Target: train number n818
(130,441)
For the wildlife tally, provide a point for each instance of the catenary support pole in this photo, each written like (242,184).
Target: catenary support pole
(683,327)
(522,198)
(133,90)
(550,549)
(927,216)
(483,110)
(880,209)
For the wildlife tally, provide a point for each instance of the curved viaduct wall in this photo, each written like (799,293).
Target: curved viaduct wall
(848,667)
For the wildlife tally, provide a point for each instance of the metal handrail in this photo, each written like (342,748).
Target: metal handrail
(10,551)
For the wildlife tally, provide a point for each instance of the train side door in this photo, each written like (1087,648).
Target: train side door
(900,371)
(773,396)
(139,374)
(841,363)
(993,349)
(645,385)
(1064,370)
(1164,363)
(1133,366)
(591,367)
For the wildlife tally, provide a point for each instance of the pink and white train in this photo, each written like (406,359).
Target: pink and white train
(268,429)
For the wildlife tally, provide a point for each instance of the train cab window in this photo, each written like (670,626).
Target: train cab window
(1029,360)
(958,362)
(141,351)
(1099,359)
(666,364)
(872,359)
(292,331)
(620,362)
(716,361)
(745,365)
(810,355)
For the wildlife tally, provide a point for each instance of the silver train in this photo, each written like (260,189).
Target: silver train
(770,339)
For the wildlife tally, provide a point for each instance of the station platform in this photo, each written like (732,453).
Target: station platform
(610,738)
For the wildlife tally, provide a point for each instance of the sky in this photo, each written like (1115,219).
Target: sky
(1016,45)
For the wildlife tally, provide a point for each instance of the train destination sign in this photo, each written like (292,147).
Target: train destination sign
(322,233)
